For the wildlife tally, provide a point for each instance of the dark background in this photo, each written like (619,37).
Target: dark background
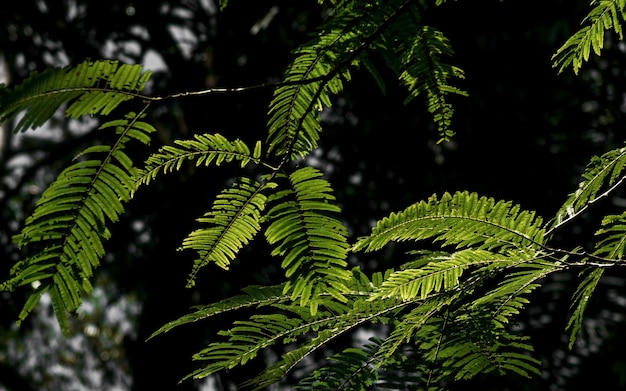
(524,133)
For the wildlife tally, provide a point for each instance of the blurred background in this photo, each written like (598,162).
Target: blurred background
(524,133)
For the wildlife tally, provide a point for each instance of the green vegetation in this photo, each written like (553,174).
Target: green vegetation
(470,263)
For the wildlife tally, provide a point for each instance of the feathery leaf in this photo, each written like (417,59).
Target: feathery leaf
(92,87)
(605,15)
(580,300)
(204,149)
(64,236)
(232,223)
(308,236)
(601,172)
(462,220)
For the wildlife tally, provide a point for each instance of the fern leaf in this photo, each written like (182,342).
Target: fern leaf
(463,220)
(580,300)
(601,172)
(247,338)
(425,73)
(509,297)
(92,87)
(308,236)
(319,70)
(232,223)
(245,341)
(65,233)
(294,113)
(605,15)
(461,349)
(437,272)
(612,234)
(204,149)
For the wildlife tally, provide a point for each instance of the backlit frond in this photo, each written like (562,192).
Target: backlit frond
(605,15)
(89,88)
(204,149)
(306,233)
(612,237)
(434,273)
(580,300)
(462,220)
(602,174)
(232,222)
(65,234)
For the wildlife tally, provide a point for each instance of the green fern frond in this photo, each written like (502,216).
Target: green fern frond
(425,73)
(605,15)
(234,220)
(580,300)
(507,300)
(253,297)
(319,70)
(64,236)
(294,123)
(245,340)
(437,272)
(506,354)
(463,220)
(292,324)
(204,149)
(612,235)
(461,349)
(602,174)
(308,236)
(92,87)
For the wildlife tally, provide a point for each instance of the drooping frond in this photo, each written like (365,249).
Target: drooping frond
(463,220)
(321,67)
(92,87)
(603,174)
(64,236)
(232,222)
(420,50)
(307,234)
(204,149)
(605,15)
(580,300)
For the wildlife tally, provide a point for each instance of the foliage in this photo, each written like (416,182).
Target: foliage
(446,313)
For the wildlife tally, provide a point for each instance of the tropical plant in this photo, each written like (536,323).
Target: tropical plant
(443,315)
